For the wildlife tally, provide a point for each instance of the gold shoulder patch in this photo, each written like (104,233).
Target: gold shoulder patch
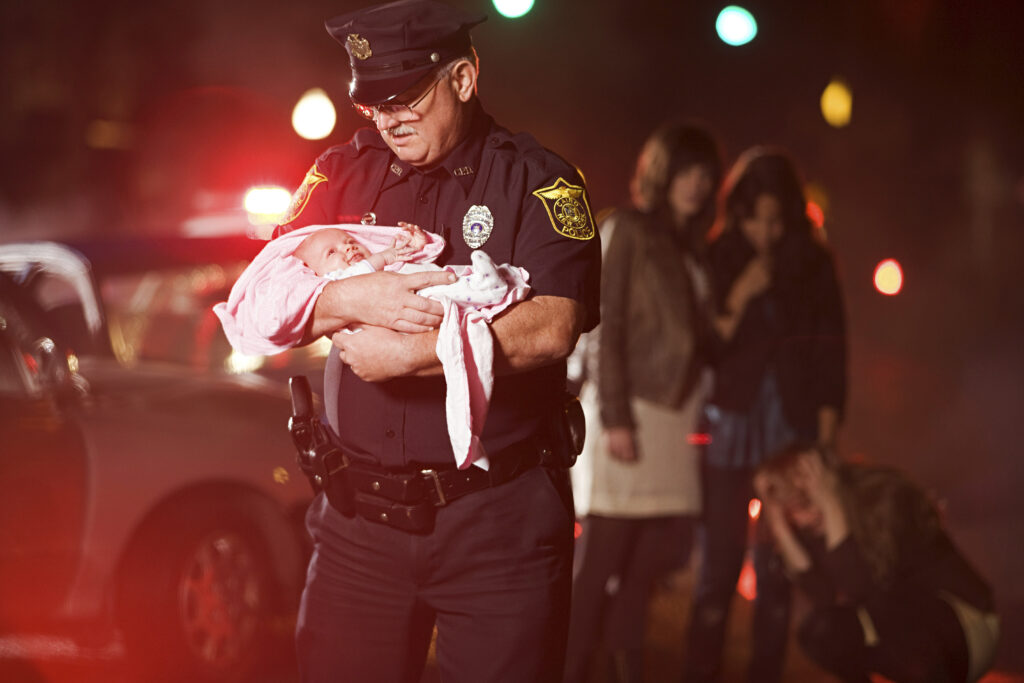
(568,209)
(301,197)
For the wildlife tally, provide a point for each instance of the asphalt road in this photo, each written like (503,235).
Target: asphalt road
(43,659)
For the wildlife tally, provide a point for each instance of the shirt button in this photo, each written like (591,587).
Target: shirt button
(390,433)
(423,199)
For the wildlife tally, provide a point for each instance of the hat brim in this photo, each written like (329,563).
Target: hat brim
(370,91)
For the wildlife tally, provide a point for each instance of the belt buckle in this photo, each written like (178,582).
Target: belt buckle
(437,485)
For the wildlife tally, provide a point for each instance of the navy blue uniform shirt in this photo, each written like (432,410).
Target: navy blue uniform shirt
(541,222)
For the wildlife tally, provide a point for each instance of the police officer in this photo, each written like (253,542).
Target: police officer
(489,562)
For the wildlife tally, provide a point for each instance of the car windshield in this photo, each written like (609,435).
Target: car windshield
(156,299)
(165,315)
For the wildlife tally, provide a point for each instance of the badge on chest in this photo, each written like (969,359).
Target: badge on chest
(477,226)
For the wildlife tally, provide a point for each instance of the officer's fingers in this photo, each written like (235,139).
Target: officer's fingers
(418,314)
(415,281)
(411,328)
(415,303)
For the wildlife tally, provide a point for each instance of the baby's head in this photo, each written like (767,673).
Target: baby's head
(330,249)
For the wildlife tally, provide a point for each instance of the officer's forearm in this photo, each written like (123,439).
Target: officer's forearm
(536,332)
(530,334)
(327,312)
(420,351)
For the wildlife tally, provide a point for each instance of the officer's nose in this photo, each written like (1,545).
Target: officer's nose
(386,119)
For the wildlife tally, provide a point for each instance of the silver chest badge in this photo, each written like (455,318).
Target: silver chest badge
(477,226)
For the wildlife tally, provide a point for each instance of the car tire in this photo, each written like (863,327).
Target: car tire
(195,599)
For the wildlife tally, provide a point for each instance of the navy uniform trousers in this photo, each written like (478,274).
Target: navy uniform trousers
(494,575)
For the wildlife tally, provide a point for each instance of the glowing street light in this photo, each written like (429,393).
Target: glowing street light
(314,116)
(266,205)
(889,277)
(513,9)
(736,26)
(837,103)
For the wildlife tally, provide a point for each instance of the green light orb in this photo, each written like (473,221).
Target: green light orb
(736,26)
(513,9)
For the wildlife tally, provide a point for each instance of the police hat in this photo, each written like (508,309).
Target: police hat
(391,46)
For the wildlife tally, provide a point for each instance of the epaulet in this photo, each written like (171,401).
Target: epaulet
(363,140)
(526,147)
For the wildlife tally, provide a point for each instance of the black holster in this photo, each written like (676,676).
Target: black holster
(317,455)
(568,430)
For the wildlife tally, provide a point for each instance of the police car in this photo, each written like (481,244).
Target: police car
(140,501)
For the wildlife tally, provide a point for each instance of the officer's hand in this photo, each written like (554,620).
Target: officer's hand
(388,300)
(622,444)
(377,354)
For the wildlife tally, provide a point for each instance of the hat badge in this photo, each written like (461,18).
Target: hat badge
(359,47)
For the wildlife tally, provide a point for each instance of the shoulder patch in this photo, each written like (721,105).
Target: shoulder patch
(301,197)
(568,209)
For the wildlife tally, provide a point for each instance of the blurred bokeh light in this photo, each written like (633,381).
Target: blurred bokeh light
(736,26)
(266,205)
(314,116)
(815,214)
(889,277)
(837,103)
(513,9)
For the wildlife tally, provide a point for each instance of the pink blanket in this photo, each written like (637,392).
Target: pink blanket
(270,304)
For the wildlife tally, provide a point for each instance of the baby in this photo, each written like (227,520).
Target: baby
(270,305)
(335,254)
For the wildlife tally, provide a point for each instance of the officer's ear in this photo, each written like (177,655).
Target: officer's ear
(463,79)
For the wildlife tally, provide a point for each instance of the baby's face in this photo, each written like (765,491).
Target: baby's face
(330,249)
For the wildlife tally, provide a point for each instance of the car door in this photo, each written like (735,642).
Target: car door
(43,468)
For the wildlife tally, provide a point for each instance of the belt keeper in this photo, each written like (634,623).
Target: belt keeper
(339,468)
(321,478)
(437,485)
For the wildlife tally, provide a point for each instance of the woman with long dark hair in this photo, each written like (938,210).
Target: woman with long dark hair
(891,592)
(779,358)
(644,490)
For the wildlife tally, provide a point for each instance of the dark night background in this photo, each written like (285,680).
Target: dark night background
(126,118)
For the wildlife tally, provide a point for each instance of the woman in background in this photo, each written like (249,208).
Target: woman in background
(645,489)
(779,357)
(891,593)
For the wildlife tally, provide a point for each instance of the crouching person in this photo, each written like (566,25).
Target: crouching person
(892,594)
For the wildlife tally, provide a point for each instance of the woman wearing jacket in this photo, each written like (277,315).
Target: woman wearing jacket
(779,357)
(644,491)
(891,592)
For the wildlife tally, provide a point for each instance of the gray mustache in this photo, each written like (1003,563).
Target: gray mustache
(401,129)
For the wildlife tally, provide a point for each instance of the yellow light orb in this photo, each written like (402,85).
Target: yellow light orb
(266,205)
(889,277)
(837,103)
(314,116)
(239,363)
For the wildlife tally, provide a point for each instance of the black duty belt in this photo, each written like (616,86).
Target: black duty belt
(408,499)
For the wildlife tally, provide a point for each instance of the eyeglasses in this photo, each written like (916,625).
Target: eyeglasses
(372,111)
